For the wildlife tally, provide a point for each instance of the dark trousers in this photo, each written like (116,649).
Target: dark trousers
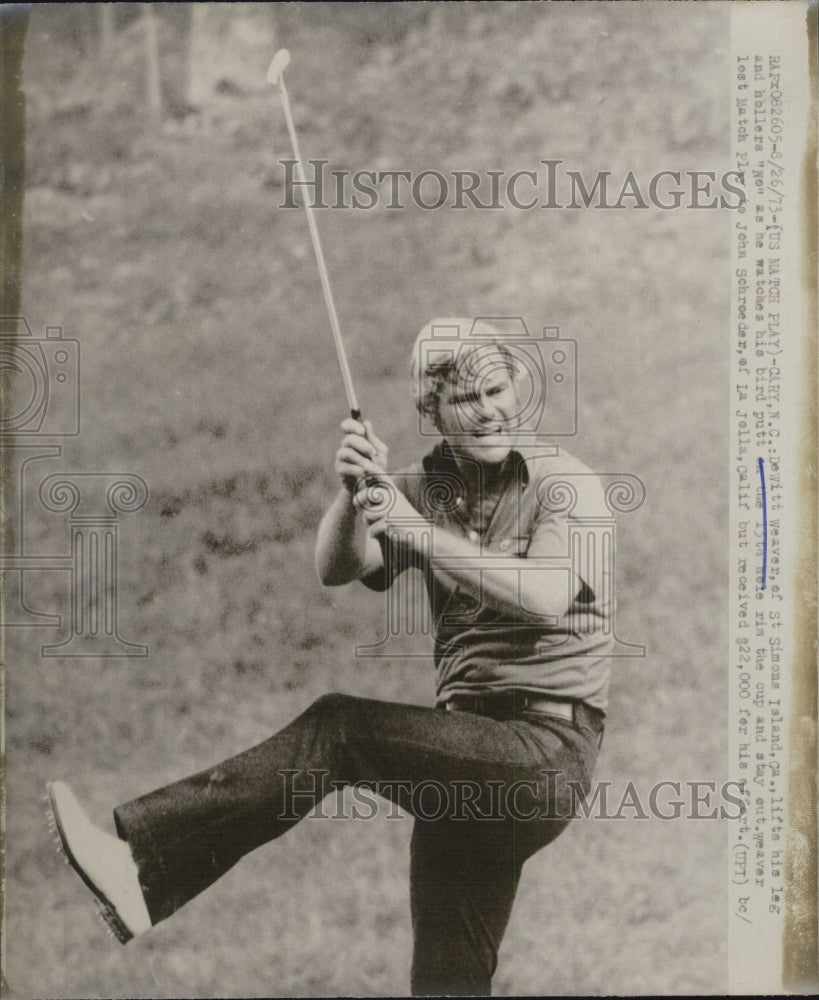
(486,793)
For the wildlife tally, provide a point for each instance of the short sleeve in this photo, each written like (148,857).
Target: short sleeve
(569,504)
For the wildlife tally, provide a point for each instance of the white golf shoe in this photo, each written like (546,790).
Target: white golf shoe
(103,862)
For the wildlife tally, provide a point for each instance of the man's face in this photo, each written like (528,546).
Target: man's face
(479,413)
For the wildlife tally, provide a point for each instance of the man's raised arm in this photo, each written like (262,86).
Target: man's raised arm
(529,590)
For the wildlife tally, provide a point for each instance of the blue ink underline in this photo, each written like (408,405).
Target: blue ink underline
(761,465)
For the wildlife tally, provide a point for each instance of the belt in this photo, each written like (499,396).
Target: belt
(511,703)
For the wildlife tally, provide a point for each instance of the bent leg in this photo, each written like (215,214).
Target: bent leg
(186,835)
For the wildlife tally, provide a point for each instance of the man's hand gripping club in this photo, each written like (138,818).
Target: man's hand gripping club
(350,546)
(361,464)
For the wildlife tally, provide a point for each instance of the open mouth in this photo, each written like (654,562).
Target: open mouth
(487,432)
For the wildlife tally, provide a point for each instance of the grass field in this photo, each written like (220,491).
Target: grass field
(208,369)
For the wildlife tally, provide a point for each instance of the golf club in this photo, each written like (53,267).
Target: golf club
(275,77)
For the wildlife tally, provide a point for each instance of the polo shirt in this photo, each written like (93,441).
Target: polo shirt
(544,504)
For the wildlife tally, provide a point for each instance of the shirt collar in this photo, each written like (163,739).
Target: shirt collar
(441,459)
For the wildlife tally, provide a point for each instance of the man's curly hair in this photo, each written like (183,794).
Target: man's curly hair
(444,350)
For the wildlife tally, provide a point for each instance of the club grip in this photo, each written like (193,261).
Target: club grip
(356,415)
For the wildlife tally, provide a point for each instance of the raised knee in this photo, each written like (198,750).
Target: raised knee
(333,703)
(337,715)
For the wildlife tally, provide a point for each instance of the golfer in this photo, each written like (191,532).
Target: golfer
(520,647)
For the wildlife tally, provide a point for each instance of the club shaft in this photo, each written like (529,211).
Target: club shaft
(346,374)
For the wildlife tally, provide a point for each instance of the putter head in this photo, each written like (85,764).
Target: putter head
(277,66)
